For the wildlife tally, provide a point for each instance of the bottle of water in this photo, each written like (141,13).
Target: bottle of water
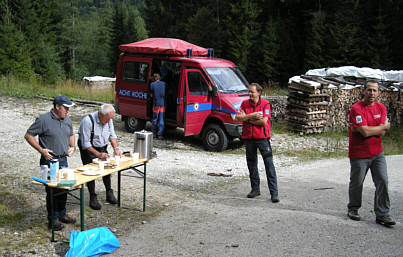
(44,172)
(54,167)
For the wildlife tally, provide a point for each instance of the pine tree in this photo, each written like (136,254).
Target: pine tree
(241,28)
(14,57)
(204,30)
(315,41)
(343,43)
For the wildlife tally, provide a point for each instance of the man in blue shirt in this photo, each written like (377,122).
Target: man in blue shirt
(158,93)
(96,130)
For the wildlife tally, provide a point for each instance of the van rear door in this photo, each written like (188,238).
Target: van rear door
(197,103)
(133,86)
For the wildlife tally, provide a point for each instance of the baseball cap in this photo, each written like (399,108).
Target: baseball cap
(63,100)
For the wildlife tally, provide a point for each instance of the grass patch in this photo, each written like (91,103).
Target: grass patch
(392,142)
(279,128)
(9,215)
(12,86)
(270,89)
(313,154)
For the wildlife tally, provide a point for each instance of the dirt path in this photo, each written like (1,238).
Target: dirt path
(190,213)
(310,220)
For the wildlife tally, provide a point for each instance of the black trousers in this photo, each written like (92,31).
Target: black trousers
(61,198)
(86,158)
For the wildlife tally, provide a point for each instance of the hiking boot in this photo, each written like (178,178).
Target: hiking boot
(110,198)
(57,225)
(385,220)
(353,214)
(274,199)
(67,219)
(253,194)
(94,204)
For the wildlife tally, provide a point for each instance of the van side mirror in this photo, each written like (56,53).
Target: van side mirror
(213,91)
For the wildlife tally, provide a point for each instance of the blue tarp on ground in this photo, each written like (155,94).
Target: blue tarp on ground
(92,242)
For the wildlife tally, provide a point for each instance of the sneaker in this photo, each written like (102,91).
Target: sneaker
(94,204)
(253,194)
(67,219)
(385,220)
(57,225)
(160,138)
(274,199)
(353,214)
(110,198)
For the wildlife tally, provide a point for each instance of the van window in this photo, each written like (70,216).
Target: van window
(135,72)
(228,79)
(197,84)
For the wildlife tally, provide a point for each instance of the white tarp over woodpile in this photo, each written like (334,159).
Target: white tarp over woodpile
(352,71)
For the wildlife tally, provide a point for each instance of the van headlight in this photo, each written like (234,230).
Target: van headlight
(239,129)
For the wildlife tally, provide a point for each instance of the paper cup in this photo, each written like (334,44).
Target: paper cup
(101,166)
(135,157)
(117,160)
(70,174)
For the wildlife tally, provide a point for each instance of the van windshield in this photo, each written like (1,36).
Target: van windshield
(228,79)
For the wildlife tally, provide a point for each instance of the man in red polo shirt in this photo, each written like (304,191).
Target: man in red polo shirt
(368,123)
(255,115)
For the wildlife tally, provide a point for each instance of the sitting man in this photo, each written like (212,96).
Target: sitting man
(96,129)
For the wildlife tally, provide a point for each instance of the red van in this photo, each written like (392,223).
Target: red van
(188,71)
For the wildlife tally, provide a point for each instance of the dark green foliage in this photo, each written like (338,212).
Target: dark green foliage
(241,28)
(269,40)
(315,47)
(14,57)
(204,29)
(128,27)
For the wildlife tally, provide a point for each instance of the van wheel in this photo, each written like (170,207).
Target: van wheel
(214,138)
(133,124)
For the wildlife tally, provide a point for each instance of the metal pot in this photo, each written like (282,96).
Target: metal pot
(143,143)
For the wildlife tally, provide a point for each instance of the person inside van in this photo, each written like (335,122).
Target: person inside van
(158,93)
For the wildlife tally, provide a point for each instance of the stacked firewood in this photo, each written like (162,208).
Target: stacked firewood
(318,104)
(308,102)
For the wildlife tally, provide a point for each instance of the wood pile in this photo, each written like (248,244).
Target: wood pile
(319,104)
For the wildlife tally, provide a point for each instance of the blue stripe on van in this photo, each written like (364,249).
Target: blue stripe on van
(207,107)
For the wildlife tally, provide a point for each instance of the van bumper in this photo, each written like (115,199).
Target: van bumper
(234,130)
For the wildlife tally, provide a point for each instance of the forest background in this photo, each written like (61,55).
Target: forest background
(270,40)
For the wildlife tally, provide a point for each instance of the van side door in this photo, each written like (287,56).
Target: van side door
(197,102)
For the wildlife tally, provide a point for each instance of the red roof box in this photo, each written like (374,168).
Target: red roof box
(167,46)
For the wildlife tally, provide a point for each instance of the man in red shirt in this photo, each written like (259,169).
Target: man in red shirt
(255,114)
(368,123)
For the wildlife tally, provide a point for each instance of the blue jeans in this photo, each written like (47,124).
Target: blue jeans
(251,146)
(359,169)
(60,200)
(158,118)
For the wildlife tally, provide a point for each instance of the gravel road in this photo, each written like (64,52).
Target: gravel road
(192,214)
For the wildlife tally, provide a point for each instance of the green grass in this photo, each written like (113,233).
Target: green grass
(10,214)
(393,141)
(12,86)
(273,88)
(313,154)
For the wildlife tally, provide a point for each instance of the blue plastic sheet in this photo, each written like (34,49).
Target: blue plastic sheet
(93,242)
